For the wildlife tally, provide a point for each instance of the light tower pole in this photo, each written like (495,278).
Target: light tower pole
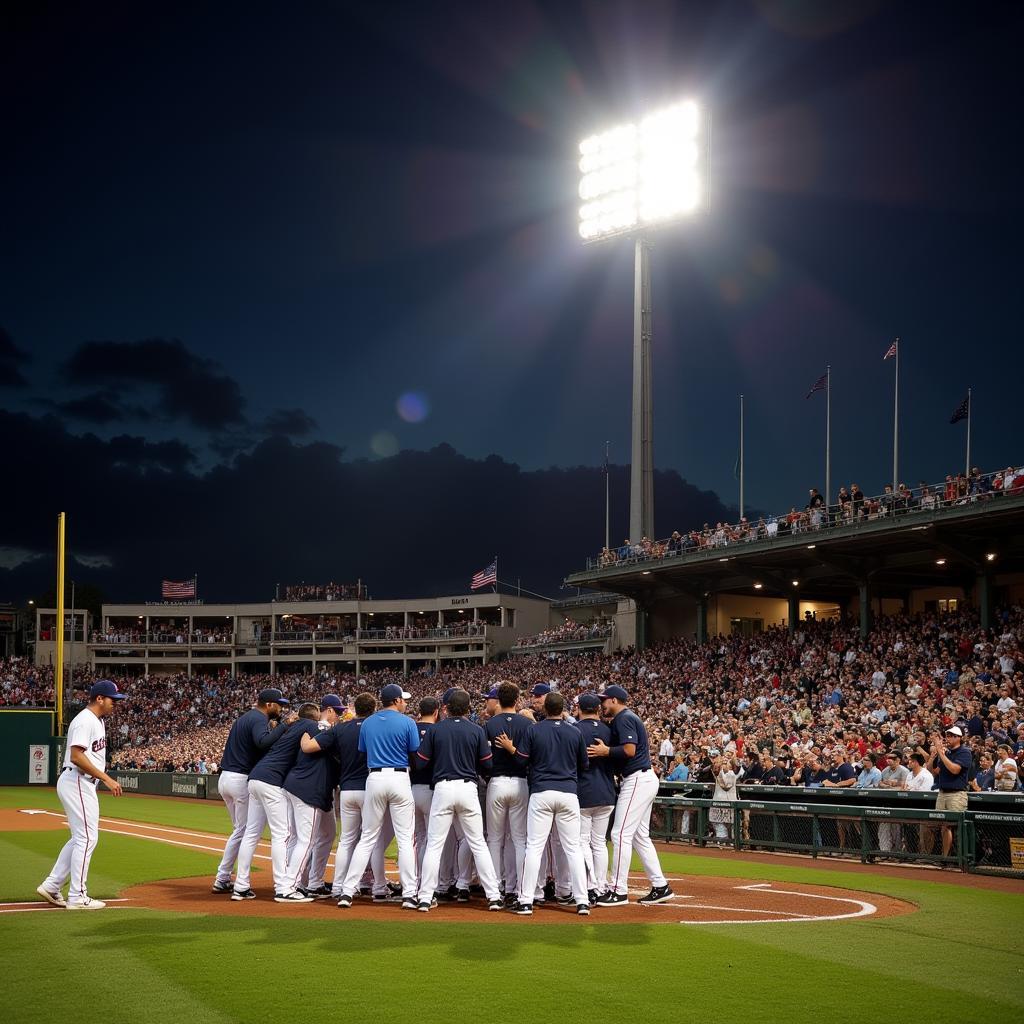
(641,481)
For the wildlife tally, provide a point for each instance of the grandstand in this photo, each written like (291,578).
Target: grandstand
(916,558)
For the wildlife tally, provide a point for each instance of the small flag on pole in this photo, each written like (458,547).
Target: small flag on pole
(485,576)
(891,352)
(818,385)
(172,590)
(962,411)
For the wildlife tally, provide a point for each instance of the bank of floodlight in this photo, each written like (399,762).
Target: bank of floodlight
(644,174)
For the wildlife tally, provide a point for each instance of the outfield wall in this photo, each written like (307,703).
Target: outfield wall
(27,747)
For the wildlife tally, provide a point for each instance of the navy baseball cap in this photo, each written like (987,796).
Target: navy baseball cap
(492,693)
(272,695)
(588,701)
(540,690)
(106,688)
(447,695)
(614,691)
(331,700)
(393,692)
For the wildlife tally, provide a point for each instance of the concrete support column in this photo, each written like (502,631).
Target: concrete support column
(642,626)
(865,610)
(702,618)
(794,612)
(983,588)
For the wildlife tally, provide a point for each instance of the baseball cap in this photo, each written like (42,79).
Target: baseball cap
(955,730)
(106,688)
(447,695)
(272,695)
(588,701)
(614,691)
(492,693)
(331,700)
(393,692)
(540,690)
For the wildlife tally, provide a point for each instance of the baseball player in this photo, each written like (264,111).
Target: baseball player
(309,788)
(342,741)
(557,756)
(388,739)
(84,768)
(268,805)
(252,735)
(630,756)
(456,750)
(420,777)
(597,798)
(508,794)
(332,712)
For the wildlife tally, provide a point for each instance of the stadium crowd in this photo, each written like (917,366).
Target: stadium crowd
(322,592)
(568,631)
(850,506)
(784,708)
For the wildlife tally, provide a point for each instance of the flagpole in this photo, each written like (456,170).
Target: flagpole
(741,456)
(828,438)
(967,472)
(495,574)
(607,499)
(896,423)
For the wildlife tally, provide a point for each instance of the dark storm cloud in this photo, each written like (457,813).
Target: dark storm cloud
(99,407)
(290,422)
(419,523)
(10,357)
(187,386)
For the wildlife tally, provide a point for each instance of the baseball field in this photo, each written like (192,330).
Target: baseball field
(772,939)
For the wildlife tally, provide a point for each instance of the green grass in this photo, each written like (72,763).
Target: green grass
(957,958)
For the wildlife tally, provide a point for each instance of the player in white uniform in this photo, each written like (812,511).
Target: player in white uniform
(85,763)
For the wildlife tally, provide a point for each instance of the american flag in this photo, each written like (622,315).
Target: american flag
(819,385)
(962,411)
(892,350)
(172,590)
(485,576)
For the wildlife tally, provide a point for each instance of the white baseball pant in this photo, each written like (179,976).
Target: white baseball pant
(82,806)
(631,831)
(456,800)
(507,808)
(234,791)
(307,825)
(386,790)
(322,844)
(561,810)
(594,843)
(267,806)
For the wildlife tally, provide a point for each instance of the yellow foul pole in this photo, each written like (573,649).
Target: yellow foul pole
(58,671)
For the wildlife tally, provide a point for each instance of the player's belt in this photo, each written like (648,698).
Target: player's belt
(402,770)
(88,778)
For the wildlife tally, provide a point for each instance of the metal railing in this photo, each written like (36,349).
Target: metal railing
(116,639)
(981,841)
(394,634)
(816,522)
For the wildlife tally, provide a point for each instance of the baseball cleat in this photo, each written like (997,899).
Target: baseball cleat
(510,900)
(222,888)
(386,897)
(344,901)
(423,908)
(564,901)
(365,890)
(446,895)
(395,889)
(410,903)
(245,894)
(658,894)
(495,904)
(523,909)
(612,899)
(85,903)
(321,892)
(292,897)
(592,896)
(462,896)
(583,909)
(549,889)
(54,898)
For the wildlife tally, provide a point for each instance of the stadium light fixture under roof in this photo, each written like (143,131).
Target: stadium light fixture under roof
(645,174)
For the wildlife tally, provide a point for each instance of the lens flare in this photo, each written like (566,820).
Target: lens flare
(413,406)
(384,444)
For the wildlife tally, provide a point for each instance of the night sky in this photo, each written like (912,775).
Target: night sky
(295,291)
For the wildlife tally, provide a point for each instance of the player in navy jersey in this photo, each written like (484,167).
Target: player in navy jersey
(597,798)
(630,757)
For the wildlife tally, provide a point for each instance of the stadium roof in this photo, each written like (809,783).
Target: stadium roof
(949,546)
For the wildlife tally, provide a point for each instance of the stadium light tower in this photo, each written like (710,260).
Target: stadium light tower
(634,178)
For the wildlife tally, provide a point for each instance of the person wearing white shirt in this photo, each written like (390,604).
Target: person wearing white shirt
(1005,769)
(84,767)
(666,752)
(920,781)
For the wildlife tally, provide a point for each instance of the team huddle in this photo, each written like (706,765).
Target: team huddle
(518,807)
